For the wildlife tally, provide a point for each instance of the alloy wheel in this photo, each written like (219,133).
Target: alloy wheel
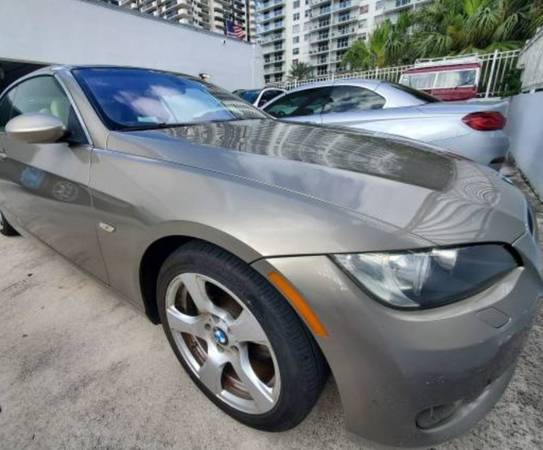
(223,343)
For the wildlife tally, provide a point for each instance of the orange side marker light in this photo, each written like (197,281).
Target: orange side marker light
(299,303)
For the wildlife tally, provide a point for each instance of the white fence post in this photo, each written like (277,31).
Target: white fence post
(491,74)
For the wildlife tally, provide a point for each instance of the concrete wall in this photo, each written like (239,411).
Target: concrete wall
(526,136)
(84,32)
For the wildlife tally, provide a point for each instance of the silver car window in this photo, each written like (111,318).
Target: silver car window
(353,99)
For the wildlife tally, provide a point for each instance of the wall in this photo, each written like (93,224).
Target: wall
(84,32)
(525,113)
(526,136)
(531,61)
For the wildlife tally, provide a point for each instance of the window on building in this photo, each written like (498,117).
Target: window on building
(296,16)
(306,37)
(295,51)
(307,13)
(380,4)
(363,23)
(295,39)
(343,42)
(267,78)
(364,9)
(295,29)
(296,4)
(322,70)
(352,99)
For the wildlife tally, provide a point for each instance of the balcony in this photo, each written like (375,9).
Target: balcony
(319,2)
(260,18)
(271,27)
(273,38)
(320,25)
(270,50)
(321,12)
(274,61)
(319,51)
(270,70)
(344,19)
(321,37)
(336,34)
(264,6)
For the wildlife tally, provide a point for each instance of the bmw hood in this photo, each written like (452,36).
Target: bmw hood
(408,185)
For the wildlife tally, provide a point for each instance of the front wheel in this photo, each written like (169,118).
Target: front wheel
(5,228)
(239,340)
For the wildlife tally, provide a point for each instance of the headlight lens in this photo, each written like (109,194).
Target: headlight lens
(428,278)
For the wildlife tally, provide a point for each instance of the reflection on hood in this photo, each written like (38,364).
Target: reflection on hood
(330,147)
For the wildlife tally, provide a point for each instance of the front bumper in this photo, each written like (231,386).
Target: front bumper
(392,367)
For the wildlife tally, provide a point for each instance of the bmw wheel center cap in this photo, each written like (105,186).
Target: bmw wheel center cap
(220,336)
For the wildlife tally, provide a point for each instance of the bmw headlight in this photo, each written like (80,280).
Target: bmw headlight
(427,278)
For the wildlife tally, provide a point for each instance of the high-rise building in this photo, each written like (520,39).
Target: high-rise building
(391,9)
(317,32)
(211,15)
(280,27)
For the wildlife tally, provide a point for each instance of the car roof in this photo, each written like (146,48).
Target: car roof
(57,68)
(370,84)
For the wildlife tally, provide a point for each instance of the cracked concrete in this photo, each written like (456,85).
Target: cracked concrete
(80,368)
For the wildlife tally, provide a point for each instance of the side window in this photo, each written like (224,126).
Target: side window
(303,103)
(353,99)
(43,94)
(267,96)
(6,108)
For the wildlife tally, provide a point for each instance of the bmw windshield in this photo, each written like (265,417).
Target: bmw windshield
(132,99)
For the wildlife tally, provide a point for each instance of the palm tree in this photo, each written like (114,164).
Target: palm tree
(387,45)
(300,71)
(465,26)
(448,27)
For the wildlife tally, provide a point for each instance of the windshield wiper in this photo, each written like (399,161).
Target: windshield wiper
(155,126)
(162,125)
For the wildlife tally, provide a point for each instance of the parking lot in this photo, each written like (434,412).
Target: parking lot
(80,368)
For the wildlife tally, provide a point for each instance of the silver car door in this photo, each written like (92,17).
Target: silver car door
(45,186)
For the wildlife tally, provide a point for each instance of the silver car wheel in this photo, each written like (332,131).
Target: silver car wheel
(223,343)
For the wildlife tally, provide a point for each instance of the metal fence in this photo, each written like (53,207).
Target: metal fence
(495,77)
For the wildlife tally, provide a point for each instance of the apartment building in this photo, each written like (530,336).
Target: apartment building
(317,32)
(211,15)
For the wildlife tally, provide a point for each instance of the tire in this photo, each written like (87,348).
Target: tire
(289,367)
(5,228)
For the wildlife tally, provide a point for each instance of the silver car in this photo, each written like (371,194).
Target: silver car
(471,129)
(273,253)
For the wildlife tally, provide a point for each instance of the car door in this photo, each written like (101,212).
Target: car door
(350,104)
(300,106)
(44,187)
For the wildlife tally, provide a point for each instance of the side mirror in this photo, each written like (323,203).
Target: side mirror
(36,128)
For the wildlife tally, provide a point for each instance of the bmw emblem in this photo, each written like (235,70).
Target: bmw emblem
(220,336)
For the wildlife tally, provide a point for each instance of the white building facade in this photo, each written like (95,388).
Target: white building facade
(210,15)
(317,32)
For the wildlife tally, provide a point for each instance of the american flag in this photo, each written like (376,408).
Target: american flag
(234,30)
